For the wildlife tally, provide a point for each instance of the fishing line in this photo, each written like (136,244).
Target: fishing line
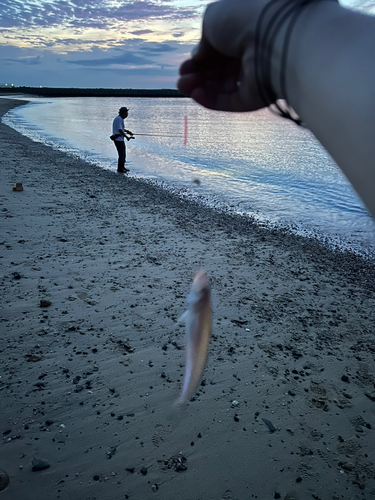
(159,135)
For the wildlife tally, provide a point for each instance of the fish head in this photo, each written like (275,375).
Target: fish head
(200,282)
(199,295)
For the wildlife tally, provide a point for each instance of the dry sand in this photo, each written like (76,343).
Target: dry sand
(88,383)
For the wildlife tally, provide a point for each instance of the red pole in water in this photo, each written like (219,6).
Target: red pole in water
(185,134)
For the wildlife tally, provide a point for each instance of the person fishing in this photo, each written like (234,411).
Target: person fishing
(119,134)
(314,55)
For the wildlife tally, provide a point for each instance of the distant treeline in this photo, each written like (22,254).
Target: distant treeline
(72,92)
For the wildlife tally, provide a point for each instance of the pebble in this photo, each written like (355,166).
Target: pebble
(38,465)
(270,425)
(144,471)
(4,480)
(45,303)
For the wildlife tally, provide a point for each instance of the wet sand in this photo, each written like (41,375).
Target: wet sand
(286,408)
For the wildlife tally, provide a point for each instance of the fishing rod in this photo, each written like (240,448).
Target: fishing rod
(159,135)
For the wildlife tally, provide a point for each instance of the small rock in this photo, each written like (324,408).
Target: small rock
(345,378)
(144,471)
(45,303)
(4,480)
(348,466)
(154,487)
(292,495)
(180,467)
(371,396)
(38,465)
(40,385)
(111,452)
(33,357)
(18,187)
(270,425)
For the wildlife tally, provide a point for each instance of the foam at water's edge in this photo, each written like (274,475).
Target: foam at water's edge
(208,199)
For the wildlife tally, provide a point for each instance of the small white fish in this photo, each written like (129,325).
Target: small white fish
(197,319)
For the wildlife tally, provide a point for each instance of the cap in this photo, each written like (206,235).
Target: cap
(123,109)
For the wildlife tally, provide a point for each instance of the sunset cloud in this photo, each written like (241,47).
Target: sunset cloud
(107,43)
(83,13)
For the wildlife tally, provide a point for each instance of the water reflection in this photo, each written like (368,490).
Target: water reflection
(261,164)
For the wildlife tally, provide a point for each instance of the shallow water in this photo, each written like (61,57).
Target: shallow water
(252,163)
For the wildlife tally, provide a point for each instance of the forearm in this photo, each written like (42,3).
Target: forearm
(330,84)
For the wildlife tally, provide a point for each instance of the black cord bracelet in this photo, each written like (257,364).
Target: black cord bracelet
(288,12)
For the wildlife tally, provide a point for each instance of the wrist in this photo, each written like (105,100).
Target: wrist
(292,63)
(281,31)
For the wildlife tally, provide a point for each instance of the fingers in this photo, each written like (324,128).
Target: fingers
(220,73)
(187,83)
(220,101)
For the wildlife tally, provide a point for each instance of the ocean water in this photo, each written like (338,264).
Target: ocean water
(255,164)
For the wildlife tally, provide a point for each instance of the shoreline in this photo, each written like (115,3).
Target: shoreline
(87,383)
(335,241)
(87,92)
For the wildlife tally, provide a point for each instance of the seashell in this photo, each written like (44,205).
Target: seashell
(4,480)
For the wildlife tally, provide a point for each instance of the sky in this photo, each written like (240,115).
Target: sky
(101,43)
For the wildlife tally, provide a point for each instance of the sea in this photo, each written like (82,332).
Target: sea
(256,164)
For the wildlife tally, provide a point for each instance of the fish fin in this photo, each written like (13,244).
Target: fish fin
(183,317)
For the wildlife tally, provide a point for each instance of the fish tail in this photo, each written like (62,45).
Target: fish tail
(183,317)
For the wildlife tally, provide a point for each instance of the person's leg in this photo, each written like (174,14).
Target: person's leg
(121,150)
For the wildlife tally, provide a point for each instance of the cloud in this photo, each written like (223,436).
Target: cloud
(141,32)
(86,42)
(84,13)
(127,58)
(29,61)
(367,6)
(157,48)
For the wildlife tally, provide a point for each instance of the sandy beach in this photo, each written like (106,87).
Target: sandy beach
(95,269)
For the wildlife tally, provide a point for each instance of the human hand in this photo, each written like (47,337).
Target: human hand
(221,73)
